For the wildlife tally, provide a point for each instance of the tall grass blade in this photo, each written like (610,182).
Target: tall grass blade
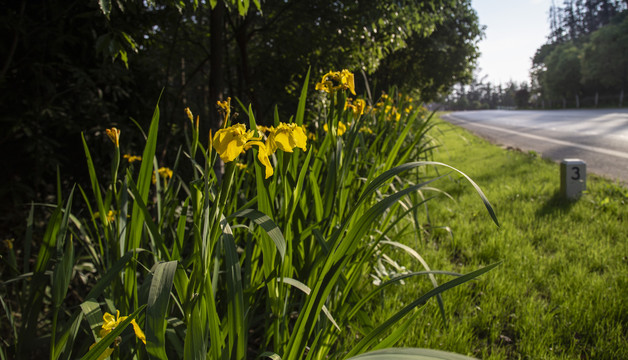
(62,275)
(267,224)
(385,176)
(235,308)
(307,291)
(65,342)
(93,315)
(52,242)
(364,299)
(298,118)
(379,331)
(398,331)
(416,255)
(153,230)
(137,216)
(94,182)
(157,309)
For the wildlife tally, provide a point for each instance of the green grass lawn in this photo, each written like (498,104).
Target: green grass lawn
(561,290)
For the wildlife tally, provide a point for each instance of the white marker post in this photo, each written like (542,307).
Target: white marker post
(573,178)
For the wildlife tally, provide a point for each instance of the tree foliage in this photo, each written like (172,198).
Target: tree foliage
(562,77)
(586,55)
(432,65)
(605,56)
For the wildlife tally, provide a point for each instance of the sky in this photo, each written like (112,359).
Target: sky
(514,30)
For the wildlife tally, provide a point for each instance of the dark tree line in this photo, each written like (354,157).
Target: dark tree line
(72,66)
(481,95)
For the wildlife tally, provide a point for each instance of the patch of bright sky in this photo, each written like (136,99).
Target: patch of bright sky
(514,30)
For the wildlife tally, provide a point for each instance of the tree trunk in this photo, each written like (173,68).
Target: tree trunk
(621,97)
(577,101)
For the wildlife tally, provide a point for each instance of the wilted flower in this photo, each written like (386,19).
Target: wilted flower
(189,114)
(132,158)
(225,108)
(111,215)
(114,136)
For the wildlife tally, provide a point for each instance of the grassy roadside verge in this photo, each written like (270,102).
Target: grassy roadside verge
(562,289)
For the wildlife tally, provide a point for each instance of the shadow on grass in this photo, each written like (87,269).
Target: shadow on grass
(557,204)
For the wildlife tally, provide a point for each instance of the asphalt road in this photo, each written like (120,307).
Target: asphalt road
(599,137)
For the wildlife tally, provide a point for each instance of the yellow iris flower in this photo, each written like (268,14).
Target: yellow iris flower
(344,80)
(286,137)
(165,173)
(392,113)
(357,107)
(110,322)
(263,154)
(347,80)
(229,142)
(232,141)
(360,105)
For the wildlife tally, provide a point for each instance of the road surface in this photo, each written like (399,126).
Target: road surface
(599,137)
